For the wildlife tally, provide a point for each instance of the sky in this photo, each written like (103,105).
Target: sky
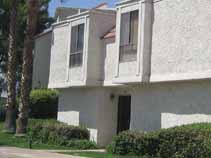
(78,4)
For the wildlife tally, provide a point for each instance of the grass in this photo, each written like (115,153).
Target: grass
(10,140)
(96,155)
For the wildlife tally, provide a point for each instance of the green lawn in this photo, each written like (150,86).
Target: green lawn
(97,155)
(11,140)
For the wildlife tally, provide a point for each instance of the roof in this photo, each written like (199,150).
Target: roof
(110,34)
(46,31)
(101,6)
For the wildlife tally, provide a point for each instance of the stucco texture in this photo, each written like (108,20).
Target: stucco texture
(181,45)
(59,54)
(170,104)
(90,108)
(41,61)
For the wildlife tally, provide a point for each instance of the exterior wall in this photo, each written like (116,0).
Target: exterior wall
(41,61)
(97,23)
(139,70)
(181,44)
(59,51)
(153,106)
(108,61)
(100,23)
(127,68)
(170,104)
(77,75)
(91,108)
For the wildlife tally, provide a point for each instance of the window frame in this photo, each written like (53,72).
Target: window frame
(132,51)
(76,53)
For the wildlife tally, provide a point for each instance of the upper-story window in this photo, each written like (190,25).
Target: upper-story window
(129,36)
(77,44)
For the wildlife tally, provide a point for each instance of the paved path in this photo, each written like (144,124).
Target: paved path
(7,152)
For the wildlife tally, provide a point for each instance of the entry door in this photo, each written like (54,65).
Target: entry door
(124,110)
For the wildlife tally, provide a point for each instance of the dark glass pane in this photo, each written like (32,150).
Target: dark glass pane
(134,27)
(80,42)
(74,32)
(125,29)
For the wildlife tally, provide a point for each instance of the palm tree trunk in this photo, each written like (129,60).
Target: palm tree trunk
(33,9)
(10,123)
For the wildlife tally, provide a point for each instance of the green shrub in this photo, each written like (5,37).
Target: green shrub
(133,143)
(81,144)
(43,103)
(57,133)
(191,141)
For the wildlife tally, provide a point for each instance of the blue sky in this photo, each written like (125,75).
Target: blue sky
(77,3)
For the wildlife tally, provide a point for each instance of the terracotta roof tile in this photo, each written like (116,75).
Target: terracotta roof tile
(110,34)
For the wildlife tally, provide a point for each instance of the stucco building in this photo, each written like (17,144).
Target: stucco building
(144,65)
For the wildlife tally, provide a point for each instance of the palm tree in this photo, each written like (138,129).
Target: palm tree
(32,18)
(10,123)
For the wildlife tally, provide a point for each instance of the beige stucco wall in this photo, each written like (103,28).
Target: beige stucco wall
(153,106)
(181,45)
(181,49)
(41,61)
(100,23)
(90,108)
(59,49)
(170,104)
(109,56)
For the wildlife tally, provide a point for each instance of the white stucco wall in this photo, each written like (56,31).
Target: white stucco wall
(181,45)
(127,68)
(90,108)
(41,61)
(109,56)
(100,23)
(170,104)
(59,52)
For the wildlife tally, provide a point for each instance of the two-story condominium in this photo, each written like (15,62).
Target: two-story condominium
(144,65)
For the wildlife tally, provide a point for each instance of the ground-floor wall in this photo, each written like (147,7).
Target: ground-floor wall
(153,106)
(166,105)
(91,108)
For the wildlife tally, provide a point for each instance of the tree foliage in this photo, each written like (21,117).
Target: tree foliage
(44,22)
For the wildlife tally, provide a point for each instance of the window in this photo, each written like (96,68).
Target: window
(129,36)
(77,44)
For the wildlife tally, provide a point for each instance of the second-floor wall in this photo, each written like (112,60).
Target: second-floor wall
(76,49)
(181,43)
(170,41)
(173,41)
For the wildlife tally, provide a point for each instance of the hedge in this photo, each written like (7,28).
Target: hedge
(43,103)
(54,132)
(192,141)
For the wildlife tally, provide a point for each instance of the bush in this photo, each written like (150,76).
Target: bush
(43,103)
(81,144)
(56,133)
(133,143)
(192,141)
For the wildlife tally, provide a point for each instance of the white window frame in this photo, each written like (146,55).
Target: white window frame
(124,9)
(80,52)
(132,47)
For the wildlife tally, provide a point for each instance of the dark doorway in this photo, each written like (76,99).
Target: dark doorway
(124,110)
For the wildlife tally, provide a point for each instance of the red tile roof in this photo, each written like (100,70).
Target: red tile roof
(110,34)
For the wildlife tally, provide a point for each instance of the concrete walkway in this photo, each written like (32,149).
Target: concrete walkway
(13,152)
